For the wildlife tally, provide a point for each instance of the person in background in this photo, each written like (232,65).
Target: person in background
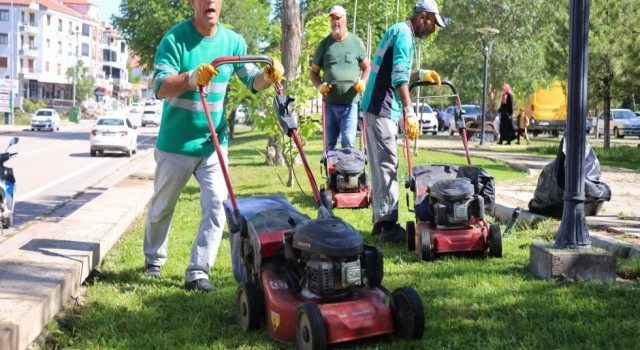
(183,147)
(385,98)
(523,123)
(341,56)
(507,133)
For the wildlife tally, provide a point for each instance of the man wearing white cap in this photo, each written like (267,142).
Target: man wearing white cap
(385,98)
(341,56)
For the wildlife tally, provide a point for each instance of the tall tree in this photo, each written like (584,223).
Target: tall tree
(291,36)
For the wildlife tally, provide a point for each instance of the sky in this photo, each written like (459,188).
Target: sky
(106,9)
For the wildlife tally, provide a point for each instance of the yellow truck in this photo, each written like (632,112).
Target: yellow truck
(548,109)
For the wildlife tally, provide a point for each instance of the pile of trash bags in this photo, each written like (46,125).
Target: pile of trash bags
(548,198)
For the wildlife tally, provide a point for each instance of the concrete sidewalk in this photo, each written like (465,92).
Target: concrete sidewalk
(41,269)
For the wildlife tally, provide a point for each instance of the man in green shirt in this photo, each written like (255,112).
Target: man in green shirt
(341,56)
(184,147)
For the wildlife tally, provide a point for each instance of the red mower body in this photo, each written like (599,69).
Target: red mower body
(360,315)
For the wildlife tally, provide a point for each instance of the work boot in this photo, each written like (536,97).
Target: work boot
(201,285)
(377,228)
(393,233)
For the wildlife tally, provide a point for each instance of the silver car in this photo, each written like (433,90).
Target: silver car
(623,122)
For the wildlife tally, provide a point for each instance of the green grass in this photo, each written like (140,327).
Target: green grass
(469,302)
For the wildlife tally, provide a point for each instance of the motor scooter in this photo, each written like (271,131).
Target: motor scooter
(7,187)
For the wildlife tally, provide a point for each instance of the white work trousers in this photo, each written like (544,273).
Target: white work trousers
(171,175)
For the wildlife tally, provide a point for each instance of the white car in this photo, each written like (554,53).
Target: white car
(241,114)
(623,122)
(115,134)
(150,116)
(427,118)
(45,119)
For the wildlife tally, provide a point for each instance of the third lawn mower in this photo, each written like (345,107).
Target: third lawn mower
(450,202)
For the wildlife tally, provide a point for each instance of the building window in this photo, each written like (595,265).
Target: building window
(4,15)
(86,29)
(70,52)
(4,39)
(59,69)
(122,47)
(60,25)
(48,20)
(48,44)
(3,62)
(85,49)
(30,66)
(46,67)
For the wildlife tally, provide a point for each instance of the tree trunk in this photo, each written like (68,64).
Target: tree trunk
(291,36)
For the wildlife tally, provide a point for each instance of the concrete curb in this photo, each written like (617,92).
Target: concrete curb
(39,277)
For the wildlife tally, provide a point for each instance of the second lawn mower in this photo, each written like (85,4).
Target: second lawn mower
(450,202)
(345,169)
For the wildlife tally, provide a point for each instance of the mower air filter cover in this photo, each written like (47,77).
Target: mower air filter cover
(452,190)
(330,237)
(348,161)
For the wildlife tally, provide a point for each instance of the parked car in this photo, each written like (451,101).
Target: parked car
(135,108)
(623,122)
(241,114)
(470,113)
(45,119)
(150,116)
(115,134)
(427,118)
(637,113)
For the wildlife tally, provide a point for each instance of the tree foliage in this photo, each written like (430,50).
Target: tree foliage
(84,83)
(143,23)
(613,52)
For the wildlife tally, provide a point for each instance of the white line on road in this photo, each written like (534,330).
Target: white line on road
(28,195)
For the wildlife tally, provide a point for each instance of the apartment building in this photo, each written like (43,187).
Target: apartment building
(41,39)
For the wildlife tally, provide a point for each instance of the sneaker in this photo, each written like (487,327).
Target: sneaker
(152,270)
(395,233)
(201,285)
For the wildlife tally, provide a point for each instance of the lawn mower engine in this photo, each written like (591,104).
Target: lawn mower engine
(330,258)
(345,169)
(454,203)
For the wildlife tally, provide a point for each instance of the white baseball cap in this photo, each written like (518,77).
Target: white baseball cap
(338,11)
(429,6)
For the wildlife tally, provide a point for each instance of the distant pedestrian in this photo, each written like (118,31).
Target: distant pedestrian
(523,123)
(507,132)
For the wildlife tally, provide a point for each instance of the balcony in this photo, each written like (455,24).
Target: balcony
(28,51)
(29,27)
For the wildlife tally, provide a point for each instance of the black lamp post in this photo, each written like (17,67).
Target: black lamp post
(487,36)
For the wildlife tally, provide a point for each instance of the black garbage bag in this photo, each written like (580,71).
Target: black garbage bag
(548,198)
(483,184)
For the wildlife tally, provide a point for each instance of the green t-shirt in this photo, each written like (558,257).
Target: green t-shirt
(340,60)
(184,128)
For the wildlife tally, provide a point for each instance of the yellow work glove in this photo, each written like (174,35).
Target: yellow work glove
(324,88)
(359,86)
(202,75)
(275,71)
(411,123)
(429,76)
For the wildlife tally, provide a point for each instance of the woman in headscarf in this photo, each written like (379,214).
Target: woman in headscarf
(507,132)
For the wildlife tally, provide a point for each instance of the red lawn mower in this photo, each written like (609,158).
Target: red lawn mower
(450,202)
(310,281)
(345,169)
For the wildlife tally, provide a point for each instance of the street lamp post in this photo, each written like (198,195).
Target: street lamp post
(487,36)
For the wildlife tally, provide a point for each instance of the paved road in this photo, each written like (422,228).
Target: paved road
(53,168)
